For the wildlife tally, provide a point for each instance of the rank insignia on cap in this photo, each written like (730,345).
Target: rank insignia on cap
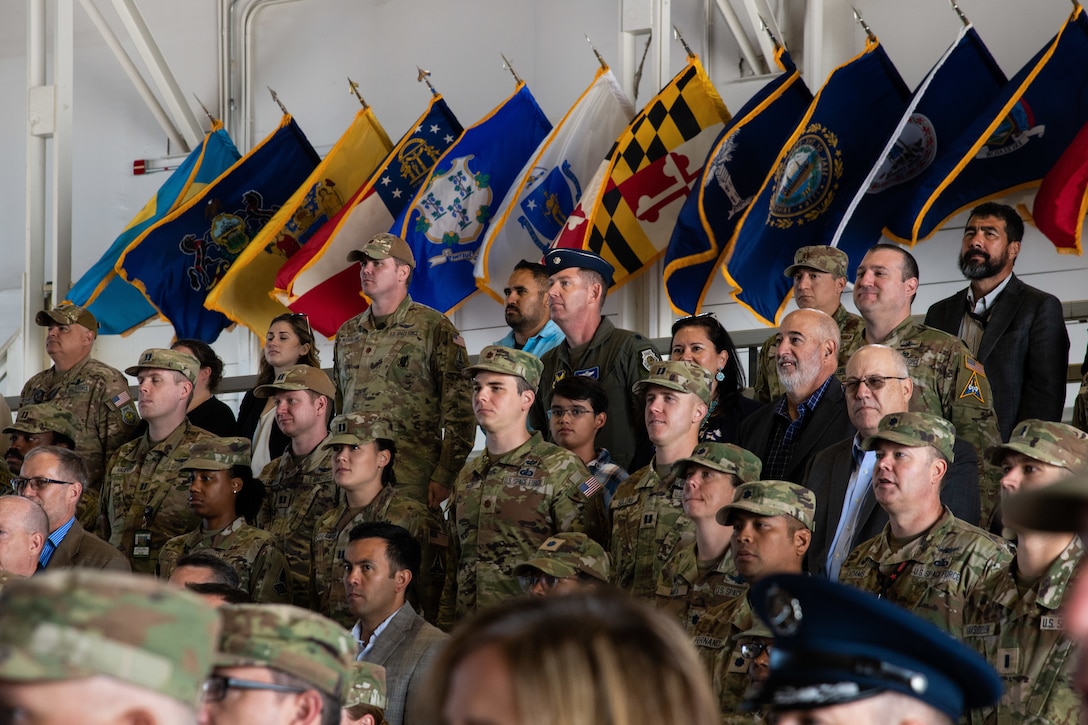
(146,357)
(555,260)
(747,494)
(552,543)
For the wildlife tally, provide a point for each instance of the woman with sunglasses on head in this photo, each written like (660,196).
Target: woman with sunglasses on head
(205,410)
(701,339)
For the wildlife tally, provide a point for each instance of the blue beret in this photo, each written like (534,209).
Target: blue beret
(556,260)
(834,644)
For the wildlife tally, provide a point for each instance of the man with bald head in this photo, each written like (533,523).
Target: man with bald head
(811,415)
(23,528)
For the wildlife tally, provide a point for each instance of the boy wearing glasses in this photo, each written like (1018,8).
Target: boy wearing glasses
(579,409)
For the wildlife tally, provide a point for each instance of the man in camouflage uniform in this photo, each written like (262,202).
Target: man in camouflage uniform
(520,490)
(1019,629)
(819,277)
(295,664)
(404,361)
(365,695)
(298,484)
(96,395)
(701,574)
(568,562)
(254,553)
(947,381)
(103,647)
(44,424)
(145,499)
(648,521)
(379,501)
(944,560)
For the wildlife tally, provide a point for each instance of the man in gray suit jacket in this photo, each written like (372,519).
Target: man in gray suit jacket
(1016,331)
(380,563)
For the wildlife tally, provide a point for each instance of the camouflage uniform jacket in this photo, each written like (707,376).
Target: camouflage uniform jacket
(147,475)
(617,359)
(410,372)
(254,554)
(720,653)
(648,528)
(932,576)
(331,541)
(89,391)
(297,493)
(502,509)
(1022,637)
(768,387)
(688,596)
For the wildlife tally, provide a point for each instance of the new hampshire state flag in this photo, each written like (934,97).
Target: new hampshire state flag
(319,281)
(735,168)
(449,217)
(1014,142)
(245,292)
(551,183)
(820,167)
(118,306)
(179,258)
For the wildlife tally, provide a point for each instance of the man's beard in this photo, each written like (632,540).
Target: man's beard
(12,453)
(803,375)
(982,268)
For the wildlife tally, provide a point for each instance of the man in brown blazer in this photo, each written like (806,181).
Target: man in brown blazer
(54,477)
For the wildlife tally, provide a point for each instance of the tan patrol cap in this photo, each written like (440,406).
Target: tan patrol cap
(772,498)
(159,358)
(1055,443)
(820,257)
(508,361)
(298,377)
(384,246)
(679,375)
(67,314)
(915,430)
(356,429)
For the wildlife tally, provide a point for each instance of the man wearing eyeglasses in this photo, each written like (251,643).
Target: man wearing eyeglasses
(579,409)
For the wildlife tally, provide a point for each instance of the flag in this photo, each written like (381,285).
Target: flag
(319,281)
(823,162)
(1014,142)
(245,292)
(735,168)
(551,183)
(179,258)
(449,217)
(956,90)
(1062,199)
(651,168)
(117,305)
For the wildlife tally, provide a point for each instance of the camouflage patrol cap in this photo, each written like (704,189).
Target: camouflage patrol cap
(67,314)
(508,361)
(822,258)
(77,623)
(290,639)
(685,377)
(724,457)
(915,430)
(384,246)
(758,629)
(298,377)
(565,555)
(218,454)
(771,498)
(44,418)
(355,429)
(1055,443)
(365,686)
(159,358)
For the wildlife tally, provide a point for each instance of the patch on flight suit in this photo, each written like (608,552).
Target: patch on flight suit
(649,357)
(593,372)
(972,389)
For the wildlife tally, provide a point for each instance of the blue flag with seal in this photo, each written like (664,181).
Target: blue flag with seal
(118,306)
(449,217)
(179,258)
(824,161)
(734,170)
(1013,143)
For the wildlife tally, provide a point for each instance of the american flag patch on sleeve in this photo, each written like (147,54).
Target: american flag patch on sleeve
(590,487)
(121,398)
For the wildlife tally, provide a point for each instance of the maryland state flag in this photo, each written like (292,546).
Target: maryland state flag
(245,292)
(734,170)
(449,217)
(628,218)
(179,259)
(319,281)
(1062,199)
(1014,142)
(821,165)
(118,306)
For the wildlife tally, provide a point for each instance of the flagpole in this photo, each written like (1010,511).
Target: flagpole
(604,66)
(424,76)
(510,68)
(680,37)
(770,34)
(276,98)
(211,119)
(963,18)
(864,25)
(355,92)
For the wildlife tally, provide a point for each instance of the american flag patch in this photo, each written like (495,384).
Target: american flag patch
(121,398)
(439,538)
(590,487)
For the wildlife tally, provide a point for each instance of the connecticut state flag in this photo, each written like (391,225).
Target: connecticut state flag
(1062,199)
(319,281)
(118,306)
(180,258)
(551,183)
(734,170)
(245,292)
(449,217)
(650,170)
(820,167)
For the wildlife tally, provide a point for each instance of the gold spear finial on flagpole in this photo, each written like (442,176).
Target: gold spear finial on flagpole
(863,24)
(680,37)
(355,92)
(594,49)
(278,103)
(424,76)
(204,108)
(506,64)
(963,18)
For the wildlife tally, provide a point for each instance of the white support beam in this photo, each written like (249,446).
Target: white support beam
(751,56)
(39,97)
(63,76)
(758,11)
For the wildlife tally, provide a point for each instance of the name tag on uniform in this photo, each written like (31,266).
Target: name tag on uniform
(522,482)
(709,642)
(852,574)
(723,590)
(935,575)
(1051,623)
(618,503)
(980,630)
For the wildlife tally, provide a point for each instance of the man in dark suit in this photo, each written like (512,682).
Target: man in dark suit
(877,383)
(786,433)
(379,565)
(53,476)
(1016,331)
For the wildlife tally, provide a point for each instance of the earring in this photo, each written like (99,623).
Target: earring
(719,376)
(235,492)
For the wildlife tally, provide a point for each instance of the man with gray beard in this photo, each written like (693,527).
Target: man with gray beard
(811,415)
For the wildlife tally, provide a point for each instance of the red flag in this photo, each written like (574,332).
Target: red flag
(1062,199)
